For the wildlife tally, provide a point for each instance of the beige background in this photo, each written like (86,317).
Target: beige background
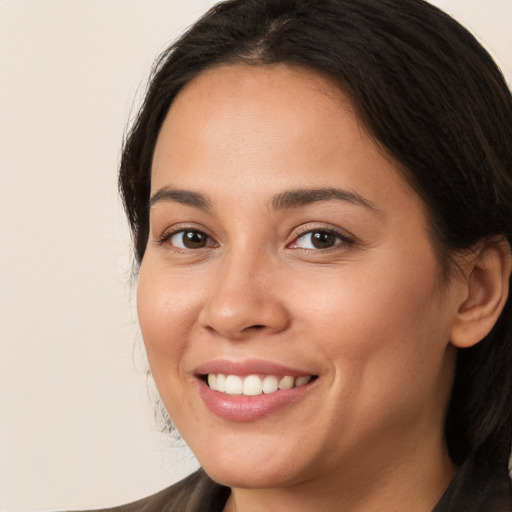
(76,423)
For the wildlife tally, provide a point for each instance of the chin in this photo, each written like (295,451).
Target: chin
(248,476)
(244,461)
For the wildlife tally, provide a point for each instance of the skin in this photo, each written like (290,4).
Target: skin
(370,315)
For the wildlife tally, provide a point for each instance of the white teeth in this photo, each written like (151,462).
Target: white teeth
(220,382)
(234,385)
(286,383)
(253,385)
(301,381)
(270,384)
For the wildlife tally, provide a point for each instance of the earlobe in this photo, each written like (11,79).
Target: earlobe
(487,277)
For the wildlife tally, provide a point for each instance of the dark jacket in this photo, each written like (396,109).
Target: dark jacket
(196,493)
(472,490)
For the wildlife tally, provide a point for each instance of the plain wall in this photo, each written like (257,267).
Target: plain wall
(77,426)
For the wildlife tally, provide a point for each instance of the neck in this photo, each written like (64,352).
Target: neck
(416,481)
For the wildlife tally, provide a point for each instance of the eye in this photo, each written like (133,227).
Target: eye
(319,239)
(188,239)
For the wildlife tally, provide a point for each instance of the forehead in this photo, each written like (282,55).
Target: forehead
(251,123)
(228,105)
(229,86)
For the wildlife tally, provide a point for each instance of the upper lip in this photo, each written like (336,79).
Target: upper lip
(248,367)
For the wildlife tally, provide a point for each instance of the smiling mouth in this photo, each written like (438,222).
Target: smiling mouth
(254,385)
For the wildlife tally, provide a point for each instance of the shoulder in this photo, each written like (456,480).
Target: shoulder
(478,488)
(196,493)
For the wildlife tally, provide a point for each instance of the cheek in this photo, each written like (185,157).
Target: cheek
(166,309)
(166,312)
(387,342)
(386,321)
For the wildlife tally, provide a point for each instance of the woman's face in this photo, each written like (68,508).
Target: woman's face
(286,249)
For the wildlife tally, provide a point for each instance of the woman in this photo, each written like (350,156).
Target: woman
(320,195)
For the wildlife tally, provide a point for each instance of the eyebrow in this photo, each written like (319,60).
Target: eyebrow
(283,201)
(168,194)
(303,197)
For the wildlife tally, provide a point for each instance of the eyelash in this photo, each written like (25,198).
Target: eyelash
(342,239)
(166,238)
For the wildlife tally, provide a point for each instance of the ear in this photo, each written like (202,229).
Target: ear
(486,287)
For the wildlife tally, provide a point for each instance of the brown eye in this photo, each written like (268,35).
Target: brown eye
(189,239)
(320,239)
(323,239)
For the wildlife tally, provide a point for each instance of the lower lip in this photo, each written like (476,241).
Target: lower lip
(244,408)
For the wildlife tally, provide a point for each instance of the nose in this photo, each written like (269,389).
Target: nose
(244,300)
